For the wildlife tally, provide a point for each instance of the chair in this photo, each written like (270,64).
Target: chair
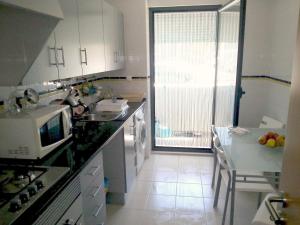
(246,182)
(268,122)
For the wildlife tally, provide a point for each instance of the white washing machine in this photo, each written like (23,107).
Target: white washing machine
(140,138)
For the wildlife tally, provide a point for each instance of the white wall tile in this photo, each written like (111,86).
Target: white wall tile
(263,97)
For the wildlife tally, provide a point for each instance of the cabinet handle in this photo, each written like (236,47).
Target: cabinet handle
(98,210)
(97,191)
(55,57)
(69,222)
(62,56)
(85,56)
(94,172)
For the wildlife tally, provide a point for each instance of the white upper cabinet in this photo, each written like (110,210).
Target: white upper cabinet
(67,41)
(113,37)
(90,39)
(109,36)
(59,57)
(91,36)
(120,40)
(44,67)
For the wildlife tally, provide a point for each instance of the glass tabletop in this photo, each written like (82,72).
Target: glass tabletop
(244,153)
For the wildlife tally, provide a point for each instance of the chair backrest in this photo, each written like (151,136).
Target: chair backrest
(220,153)
(268,122)
(216,141)
(213,130)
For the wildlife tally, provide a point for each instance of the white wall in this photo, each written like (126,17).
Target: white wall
(270,37)
(263,97)
(257,43)
(283,40)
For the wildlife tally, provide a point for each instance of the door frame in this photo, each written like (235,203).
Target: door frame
(238,86)
(152,11)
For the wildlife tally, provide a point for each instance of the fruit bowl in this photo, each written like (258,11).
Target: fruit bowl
(272,140)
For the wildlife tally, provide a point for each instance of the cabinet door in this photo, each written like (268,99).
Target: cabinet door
(44,67)
(67,41)
(120,40)
(91,36)
(114,154)
(109,36)
(130,152)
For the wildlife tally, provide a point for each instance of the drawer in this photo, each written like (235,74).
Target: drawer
(94,205)
(80,221)
(94,194)
(97,215)
(73,213)
(93,171)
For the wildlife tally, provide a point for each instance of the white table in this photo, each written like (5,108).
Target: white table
(244,154)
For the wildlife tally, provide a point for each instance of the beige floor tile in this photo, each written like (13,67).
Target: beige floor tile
(163,188)
(149,164)
(190,204)
(208,192)
(164,176)
(123,216)
(189,178)
(161,203)
(145,175)
(157,199)
(206,178)
(189,218)
(208,204)
(136,201)
(141,187)
(189,190)
(158,218)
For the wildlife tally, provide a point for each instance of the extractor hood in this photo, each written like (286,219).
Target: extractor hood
(25,26)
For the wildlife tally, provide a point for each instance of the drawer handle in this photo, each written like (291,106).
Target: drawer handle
(98,210)
(97,191)
(94,172)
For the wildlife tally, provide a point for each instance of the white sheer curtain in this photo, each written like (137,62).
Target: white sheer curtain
(185,59)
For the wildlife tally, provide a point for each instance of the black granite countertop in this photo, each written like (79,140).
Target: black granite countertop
(75,154)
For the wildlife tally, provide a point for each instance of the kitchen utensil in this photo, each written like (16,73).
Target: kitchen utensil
(31,96)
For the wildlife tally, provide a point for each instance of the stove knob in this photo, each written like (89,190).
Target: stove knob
(15,205)
(32,189)
(39,184)
(24,197)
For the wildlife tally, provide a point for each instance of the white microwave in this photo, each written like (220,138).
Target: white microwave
(35,133)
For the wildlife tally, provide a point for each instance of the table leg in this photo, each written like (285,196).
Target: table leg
(232,197)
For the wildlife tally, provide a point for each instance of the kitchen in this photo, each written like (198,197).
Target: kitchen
(77,53)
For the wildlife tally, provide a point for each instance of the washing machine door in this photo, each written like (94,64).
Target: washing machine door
(141,144)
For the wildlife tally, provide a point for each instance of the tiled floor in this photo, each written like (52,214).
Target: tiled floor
(175,190)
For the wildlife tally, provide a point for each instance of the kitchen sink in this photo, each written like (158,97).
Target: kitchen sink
(103,116)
